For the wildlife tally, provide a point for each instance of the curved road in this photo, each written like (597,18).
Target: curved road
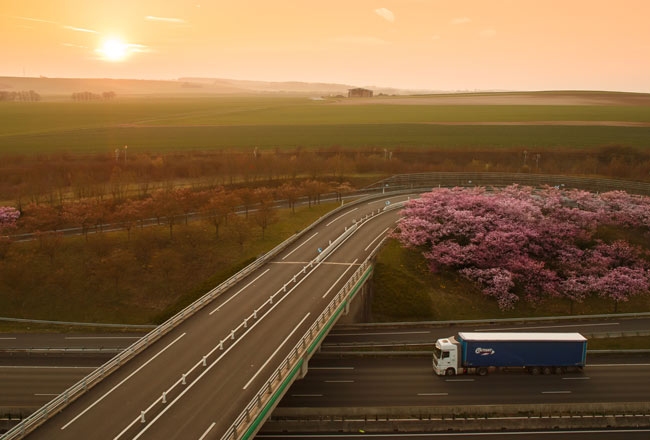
(213,395)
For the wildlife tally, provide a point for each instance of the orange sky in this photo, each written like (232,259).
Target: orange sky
(433,44)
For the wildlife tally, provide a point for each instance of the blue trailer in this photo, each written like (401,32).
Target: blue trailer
(477,352)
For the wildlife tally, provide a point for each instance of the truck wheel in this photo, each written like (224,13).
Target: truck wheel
(482,371)
(450,372)
(535,371)
(559,370)
(547,370)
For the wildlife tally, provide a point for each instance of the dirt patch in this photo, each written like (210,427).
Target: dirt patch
(509,99)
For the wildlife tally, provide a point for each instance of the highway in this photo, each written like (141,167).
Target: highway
(31,379)
(410,381)
(214,393)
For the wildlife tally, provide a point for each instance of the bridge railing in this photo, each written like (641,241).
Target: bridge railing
(259,408)
(59,402)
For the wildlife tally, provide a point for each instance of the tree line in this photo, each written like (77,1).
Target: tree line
(55,178)
(22,96)
(90,96)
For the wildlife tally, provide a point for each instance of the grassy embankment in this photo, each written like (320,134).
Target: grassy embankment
(86,282)
(405,290)
(182,124)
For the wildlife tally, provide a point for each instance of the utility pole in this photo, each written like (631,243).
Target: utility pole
(125,147)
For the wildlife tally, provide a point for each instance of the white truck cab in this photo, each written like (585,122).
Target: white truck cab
(446,357)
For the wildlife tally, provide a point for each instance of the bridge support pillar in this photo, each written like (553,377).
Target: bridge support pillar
(304,368)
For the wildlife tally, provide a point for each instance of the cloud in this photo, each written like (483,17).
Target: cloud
(75,45)
(72,28)
(488,33)
(34,19)
(461,20)
(165,19)
(385,14)
(361,40)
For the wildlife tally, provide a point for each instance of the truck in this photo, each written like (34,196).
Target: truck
(480,352)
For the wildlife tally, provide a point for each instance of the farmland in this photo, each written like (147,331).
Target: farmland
(156,124)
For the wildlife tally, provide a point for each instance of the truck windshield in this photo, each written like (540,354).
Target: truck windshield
(437,353)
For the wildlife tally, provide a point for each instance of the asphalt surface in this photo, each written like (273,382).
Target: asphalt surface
(632,434)
(410,381)
(67,340)
(215,394)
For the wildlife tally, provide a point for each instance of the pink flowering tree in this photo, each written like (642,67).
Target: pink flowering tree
(8,218)
(524,243)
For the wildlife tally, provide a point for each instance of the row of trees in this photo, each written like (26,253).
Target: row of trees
(170,206)
(520,243)
(23,96)
(90,96)
(53,178)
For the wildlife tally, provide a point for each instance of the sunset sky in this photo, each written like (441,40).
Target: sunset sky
(432,44)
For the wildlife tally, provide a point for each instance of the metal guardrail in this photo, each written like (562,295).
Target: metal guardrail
(498,320)
(77,324)
(97,375)
(251,418)
(62,350)
(505,179)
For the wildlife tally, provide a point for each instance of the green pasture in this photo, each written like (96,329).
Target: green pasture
(354,136)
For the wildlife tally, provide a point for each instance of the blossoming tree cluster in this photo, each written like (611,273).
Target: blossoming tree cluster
(8,217)
(525,243)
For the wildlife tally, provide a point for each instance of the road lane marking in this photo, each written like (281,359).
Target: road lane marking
(339,278)
(338,381)
(556,392)
(306,395)
(331,368)
(377,238)
(433,394)
(276,351)
(545,326)
(342,215)
(459,380)
(380,333)
(6,339)
(576,378)
(207,430)
(121,382)
(299,246)
(304,263)
(46,394)
(238,292)
(103,337)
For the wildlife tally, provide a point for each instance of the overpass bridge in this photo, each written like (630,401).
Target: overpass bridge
(218,368)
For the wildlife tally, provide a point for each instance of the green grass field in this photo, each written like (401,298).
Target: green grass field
(163,124)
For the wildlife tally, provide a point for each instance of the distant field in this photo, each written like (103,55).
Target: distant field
(156,124)
(165,139)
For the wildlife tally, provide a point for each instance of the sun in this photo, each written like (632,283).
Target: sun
(114,50)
